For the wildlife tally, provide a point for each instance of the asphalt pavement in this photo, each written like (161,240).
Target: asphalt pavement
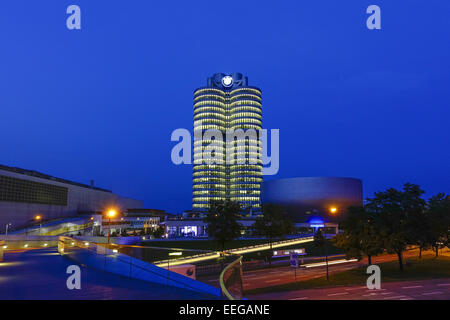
(436,289)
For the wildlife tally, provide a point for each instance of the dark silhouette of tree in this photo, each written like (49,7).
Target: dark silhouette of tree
(361,236)
(439,212)
(158,232)
(222,221)
(419,229)
(320,241)
(395,210)
(273,223)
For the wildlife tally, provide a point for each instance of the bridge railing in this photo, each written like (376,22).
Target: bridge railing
(231,280)
(241,250)
(2,243)
(133,264)
(23,242)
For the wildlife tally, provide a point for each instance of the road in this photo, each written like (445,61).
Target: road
(41,274)
(285,274)
(436,289)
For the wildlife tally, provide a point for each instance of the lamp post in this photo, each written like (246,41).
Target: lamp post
(93,224)
(7,226)
(39,218)
(111,214)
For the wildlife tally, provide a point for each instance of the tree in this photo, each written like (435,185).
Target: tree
(395,209)
(273,223)
(361,236)
(419,230)
(158,232)
(321,242)
(438,208)
(222,221)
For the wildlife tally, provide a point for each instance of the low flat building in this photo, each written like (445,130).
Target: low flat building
(25,194)
(195,227)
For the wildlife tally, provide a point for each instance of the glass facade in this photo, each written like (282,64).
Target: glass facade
(19,190)
(227,160)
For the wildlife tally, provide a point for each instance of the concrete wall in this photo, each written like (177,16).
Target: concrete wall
(79,199)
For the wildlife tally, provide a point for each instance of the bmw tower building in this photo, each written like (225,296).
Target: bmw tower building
(225,107)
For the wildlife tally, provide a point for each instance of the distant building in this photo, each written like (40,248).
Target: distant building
(228,103)
(136,219)
(25,194)
(195,227)
(305,198)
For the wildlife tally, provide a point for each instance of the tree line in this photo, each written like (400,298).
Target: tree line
(222,220)
(392,221)
(389,222)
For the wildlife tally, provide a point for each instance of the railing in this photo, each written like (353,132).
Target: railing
(110,258)
(2,243)
(216,254)
(55,227)
(23,242)
(231,280)
(67,229)
(273,245)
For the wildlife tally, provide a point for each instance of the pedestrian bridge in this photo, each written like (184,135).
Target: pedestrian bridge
(41,274)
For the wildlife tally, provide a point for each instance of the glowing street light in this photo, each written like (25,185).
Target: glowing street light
(39,219)
(111,214)
(333,209)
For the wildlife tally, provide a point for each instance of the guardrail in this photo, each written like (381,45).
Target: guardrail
(242,250)
(231,280)
(272,245)
(1,249)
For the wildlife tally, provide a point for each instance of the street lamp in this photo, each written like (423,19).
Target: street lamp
(333,209)
(39,218)
(93,225)
(111,214)
(7,226)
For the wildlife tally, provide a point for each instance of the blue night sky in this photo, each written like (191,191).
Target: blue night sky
(100,103)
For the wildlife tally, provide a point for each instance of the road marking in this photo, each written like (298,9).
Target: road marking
(337,294)
(370,294)
(302,298)
(443,284)
(377,290)
(383,293)
(255,278)
(412,287)
(273,280)
(395,297)
(430,293)
(357,288)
